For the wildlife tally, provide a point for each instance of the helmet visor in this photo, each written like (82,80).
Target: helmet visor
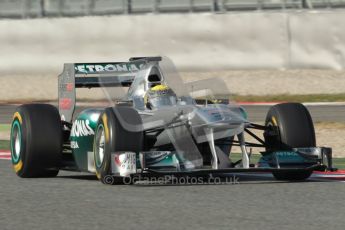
(160,101)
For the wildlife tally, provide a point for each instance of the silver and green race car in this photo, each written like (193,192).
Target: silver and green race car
(156,128)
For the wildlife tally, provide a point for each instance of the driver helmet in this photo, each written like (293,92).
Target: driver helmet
(158,96)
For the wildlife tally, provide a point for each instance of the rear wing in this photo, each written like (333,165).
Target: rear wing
(104,74)
(91,75)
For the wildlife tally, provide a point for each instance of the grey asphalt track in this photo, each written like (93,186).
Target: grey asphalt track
(256,113)
(79,201)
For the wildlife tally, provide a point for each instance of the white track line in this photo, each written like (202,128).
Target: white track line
(5,155)
(5,158)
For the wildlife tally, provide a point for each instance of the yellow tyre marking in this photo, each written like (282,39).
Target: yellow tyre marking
(17,167)
(106,129)
(94,161)
(274,121)
(97,174)
(17,115)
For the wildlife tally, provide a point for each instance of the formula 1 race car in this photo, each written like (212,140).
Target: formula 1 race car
(157,129)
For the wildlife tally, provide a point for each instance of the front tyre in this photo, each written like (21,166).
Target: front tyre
(289,125)
(114,133)
(36,141)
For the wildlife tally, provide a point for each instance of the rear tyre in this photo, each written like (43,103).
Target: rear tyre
(112,135)
(289,125)
(36,141)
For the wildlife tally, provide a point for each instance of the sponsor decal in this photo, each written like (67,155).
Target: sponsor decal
(286,154)
(65,103)
(98,68)
(74,145)
(124,163)
(81,128)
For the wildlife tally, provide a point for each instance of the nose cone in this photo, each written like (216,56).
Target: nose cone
(225,114)
(225,121)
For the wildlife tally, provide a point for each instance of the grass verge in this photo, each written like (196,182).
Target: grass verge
(5,127)
(293,98)
(4,145)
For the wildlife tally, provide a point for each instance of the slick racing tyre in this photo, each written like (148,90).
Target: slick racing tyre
(289,125)
(118,129)
(36,141)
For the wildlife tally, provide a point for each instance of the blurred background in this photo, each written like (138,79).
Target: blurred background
(51,8)
(271,42)
(264,50)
